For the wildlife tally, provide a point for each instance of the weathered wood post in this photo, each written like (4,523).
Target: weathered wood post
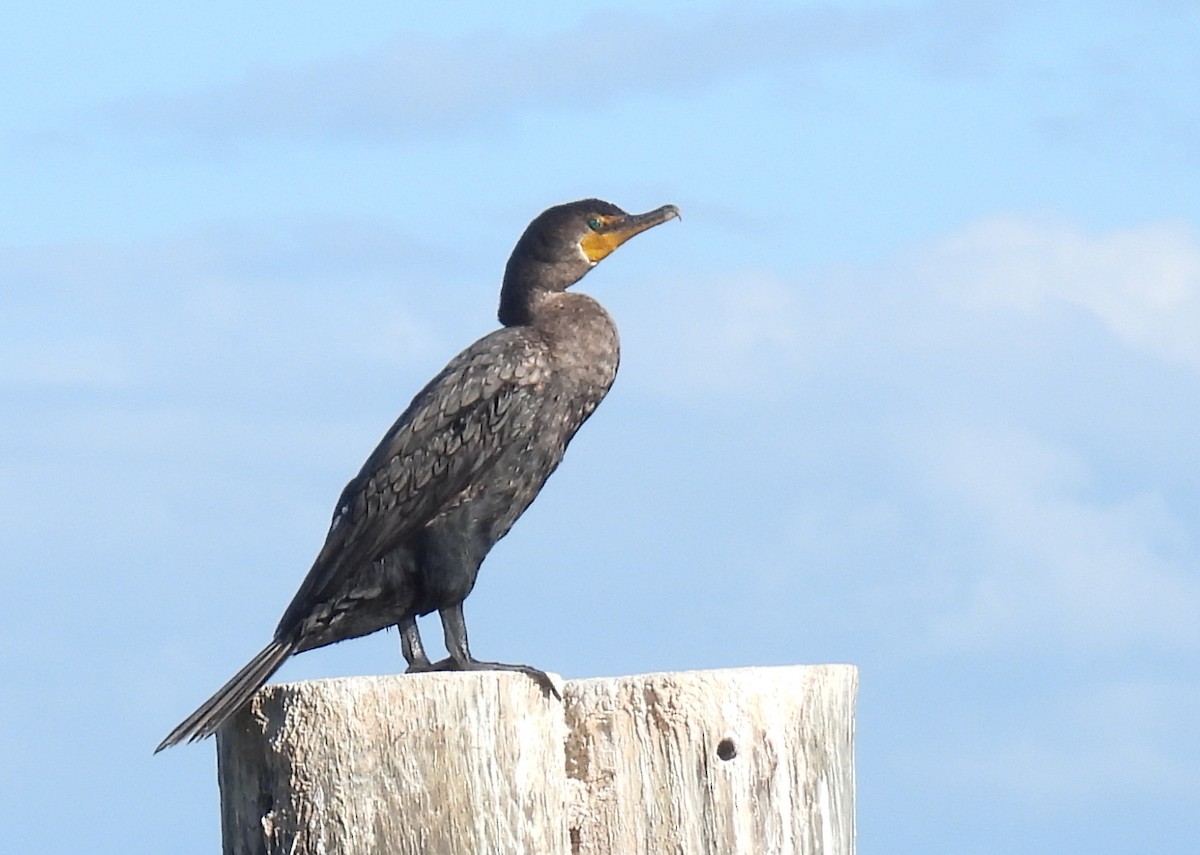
(753,760)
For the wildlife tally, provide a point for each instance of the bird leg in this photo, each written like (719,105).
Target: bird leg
(411,647)
(460,658)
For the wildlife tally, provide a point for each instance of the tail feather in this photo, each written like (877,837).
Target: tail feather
(228,699)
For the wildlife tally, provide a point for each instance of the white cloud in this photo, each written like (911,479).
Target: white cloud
(215,304)
(414,87)
(1143,283)
(944,300)
(950,421)
(1049,561)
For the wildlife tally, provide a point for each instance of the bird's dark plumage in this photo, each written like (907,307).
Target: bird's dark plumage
(460,465)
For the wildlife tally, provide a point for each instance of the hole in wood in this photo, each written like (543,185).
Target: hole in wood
(266,801)
(726,750)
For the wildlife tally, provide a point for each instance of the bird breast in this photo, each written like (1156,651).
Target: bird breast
(582,343)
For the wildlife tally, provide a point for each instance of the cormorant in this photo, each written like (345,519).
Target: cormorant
(460,465)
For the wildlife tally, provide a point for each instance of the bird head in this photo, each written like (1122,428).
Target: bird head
(564,242)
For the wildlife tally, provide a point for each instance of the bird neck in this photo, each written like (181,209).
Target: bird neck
(529,281)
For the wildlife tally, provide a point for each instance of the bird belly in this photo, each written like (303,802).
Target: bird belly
(377,595)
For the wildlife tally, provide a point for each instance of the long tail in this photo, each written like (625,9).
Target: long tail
(230,697)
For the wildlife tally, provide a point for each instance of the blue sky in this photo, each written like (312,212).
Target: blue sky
(913,385)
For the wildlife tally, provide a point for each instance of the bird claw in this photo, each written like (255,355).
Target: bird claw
(450,664)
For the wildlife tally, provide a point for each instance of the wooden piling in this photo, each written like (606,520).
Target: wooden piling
(752,760)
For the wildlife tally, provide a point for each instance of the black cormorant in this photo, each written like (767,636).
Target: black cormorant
(460,465)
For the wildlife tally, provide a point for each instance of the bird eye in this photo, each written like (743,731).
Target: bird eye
(594,224)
